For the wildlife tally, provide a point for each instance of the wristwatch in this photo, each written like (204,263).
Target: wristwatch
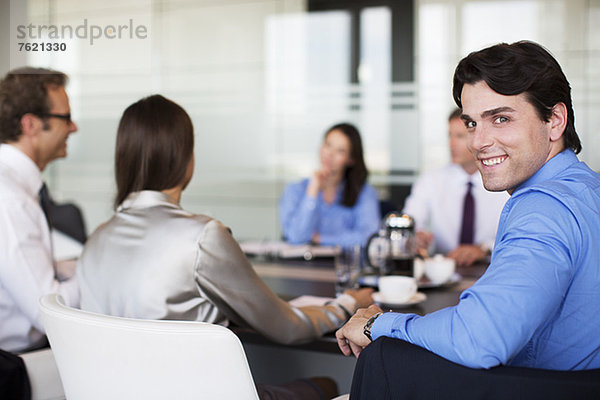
(369,324)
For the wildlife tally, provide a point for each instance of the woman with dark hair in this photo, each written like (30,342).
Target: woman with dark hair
(154,260)
(335,206)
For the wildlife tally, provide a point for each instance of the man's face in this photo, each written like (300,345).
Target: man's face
(457,138)
(52,142)
(508,139)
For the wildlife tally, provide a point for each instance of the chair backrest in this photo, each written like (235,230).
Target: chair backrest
(104,357)
(44,377)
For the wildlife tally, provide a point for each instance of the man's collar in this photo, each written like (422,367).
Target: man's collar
(550,169)
(25,171)
(464,176)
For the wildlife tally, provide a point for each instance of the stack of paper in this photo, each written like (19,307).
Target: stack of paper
(286,250)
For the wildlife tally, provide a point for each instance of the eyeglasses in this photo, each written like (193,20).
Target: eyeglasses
(66,117)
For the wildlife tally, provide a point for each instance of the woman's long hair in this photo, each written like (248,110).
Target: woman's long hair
(155,143)
(355,174)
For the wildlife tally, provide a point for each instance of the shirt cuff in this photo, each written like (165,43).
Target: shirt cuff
(309,203)
(383,324)
(347,303)
(329,240)
(489,245)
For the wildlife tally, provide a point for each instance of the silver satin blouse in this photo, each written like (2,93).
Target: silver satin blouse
(154,260)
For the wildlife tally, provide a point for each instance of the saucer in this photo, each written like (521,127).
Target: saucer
(423,283)
(417,298)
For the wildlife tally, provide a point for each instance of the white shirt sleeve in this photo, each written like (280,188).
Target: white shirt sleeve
(26,265)
(418,203)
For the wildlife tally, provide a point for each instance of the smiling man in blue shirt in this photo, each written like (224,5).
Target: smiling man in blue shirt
(538,303)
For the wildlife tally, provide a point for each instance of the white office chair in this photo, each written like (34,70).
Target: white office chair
(44,378)
(104,357)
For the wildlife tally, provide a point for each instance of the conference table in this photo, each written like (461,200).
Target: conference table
(291,278)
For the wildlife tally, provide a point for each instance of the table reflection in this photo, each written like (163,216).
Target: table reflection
(292,278)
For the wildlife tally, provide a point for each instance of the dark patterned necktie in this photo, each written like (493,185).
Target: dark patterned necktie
(468,219)
(45,203)
(65,218)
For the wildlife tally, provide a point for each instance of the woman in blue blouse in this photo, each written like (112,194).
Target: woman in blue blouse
(335,205)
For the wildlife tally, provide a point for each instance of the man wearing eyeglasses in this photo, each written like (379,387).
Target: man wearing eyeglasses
(35,122)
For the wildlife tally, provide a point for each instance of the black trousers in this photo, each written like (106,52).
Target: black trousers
(14,381)
(300,389)
(395,369)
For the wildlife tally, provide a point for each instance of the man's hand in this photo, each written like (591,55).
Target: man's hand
(424,240)
(350,337)
(65,269)
(467,254)
(362,296)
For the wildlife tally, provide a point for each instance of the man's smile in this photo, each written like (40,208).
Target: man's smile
(490,162)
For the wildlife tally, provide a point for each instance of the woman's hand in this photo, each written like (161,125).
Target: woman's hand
(317,182)
(362,296)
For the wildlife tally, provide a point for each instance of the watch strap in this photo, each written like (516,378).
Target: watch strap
(369,324)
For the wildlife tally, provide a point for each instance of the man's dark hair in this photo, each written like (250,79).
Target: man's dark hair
(356,174)
(456,113)
(23,91)
(155,143)
(521,67)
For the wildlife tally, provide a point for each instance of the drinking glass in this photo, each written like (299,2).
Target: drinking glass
(347,267)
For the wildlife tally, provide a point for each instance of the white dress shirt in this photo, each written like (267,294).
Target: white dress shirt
(26,266)
(436,204)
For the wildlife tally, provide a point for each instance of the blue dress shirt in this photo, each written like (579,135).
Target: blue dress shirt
(538,304)
(301,216)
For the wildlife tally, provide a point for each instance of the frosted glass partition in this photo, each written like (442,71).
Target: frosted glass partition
(450,29)
(263,79)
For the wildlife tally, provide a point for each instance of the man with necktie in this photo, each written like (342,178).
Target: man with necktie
(35,122)
(454,214)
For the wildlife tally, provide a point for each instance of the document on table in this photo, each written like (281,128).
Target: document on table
(307,300)
(286,250)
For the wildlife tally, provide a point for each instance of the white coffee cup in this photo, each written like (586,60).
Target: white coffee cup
(396,288)
(439,269)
